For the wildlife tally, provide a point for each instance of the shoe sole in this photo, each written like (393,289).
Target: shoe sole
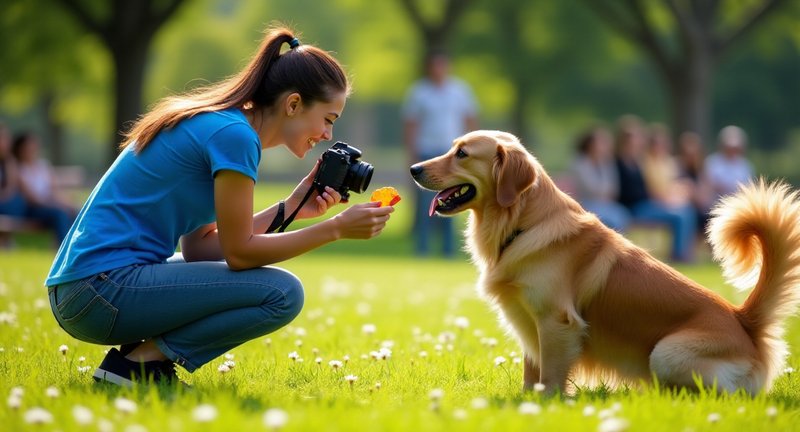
(101,375)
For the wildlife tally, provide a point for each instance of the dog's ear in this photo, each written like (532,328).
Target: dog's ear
(514,174)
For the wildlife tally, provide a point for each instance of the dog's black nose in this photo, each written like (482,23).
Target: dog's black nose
(416,170)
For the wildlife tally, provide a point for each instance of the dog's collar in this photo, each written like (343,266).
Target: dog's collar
(514,234)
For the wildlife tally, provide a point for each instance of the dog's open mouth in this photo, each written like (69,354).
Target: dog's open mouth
(450,199)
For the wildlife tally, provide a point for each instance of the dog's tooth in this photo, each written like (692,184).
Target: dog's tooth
(457,194)
(464,189)
(440,202)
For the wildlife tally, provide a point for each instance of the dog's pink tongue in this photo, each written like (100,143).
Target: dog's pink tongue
(432,210)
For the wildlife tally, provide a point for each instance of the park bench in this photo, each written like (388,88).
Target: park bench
(68,178)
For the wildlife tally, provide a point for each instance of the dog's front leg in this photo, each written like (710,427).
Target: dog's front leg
(530,372)
(560,339)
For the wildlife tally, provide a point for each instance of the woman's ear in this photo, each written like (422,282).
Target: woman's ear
(293,104)
(514,174)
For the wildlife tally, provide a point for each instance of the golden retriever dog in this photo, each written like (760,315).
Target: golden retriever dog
(590,307)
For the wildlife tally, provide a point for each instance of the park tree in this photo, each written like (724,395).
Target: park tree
(685,42)
(435,27)
(126,29)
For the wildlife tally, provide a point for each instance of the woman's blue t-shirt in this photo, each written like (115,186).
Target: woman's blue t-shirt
(145,202)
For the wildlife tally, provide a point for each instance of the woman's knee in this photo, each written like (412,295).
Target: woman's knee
(294,296)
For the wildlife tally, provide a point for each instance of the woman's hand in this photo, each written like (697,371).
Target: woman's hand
(362,221)
(318,204)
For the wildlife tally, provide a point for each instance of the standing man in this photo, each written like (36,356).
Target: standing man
(438,109)
(728,168)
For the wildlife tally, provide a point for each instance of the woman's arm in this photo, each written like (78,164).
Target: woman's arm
(234,239)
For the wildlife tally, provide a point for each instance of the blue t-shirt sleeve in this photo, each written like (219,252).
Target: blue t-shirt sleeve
(235,147)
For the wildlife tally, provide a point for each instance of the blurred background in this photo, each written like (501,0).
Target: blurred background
(76,71)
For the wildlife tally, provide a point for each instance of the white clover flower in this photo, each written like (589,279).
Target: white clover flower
(223,368)
(82,415)
(275,418)
(14,401)
(529,408)
(387,344)
(499,360)
(368,329)
(84,369)
(384,353)
(491,342)
(740,410)
(438,348)
(52,392)
(81,359)
(346,359)
(613,424)
(479,403)
(772,411)
(335,364)
(460,414)
(318,360)
(516,360)
(229,356)
(377,386)
(294,355)
(315,351)
(17,391)
(298,343)
(461,322)
(63,349)
(38,415)
(204,413)
(300,332)
(267,341)
(423,354)
(351,378)
(714,417)
(7,318)
(126,406)
(588,410)
(436,394)
(788,370)
(446,336)
(230,363)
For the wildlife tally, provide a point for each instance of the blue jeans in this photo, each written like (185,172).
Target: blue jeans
(426,226)
(194,312)
(612,214)
(682,222)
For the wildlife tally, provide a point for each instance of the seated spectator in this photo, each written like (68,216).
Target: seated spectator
(691,158)
(11,201)
(634,193)
(596,181)
(660,170)
(37,183)
(728,168)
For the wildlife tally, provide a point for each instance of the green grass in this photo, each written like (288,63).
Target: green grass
(413,305)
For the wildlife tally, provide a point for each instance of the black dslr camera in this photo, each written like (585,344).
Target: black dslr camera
(341,170)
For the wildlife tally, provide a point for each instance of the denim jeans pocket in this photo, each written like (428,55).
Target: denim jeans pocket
(83,313)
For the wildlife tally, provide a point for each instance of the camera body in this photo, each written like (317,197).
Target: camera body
(341,170)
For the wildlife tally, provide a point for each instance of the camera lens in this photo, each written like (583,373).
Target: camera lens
(359,176)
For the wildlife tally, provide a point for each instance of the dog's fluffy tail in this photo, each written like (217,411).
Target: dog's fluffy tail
(755,234)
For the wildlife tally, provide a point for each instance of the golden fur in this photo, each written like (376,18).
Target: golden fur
(588,306)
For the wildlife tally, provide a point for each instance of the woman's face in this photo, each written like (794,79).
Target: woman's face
(309,124)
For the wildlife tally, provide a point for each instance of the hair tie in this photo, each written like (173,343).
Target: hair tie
(294,43)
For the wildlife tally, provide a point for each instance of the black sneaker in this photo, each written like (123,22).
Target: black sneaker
(116,369)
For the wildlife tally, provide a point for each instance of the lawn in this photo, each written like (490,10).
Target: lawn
(419,351)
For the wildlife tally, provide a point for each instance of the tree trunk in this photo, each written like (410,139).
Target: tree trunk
(691,96)
(55,130)
(129,67)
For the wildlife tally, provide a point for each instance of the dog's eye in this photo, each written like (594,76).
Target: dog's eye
(461,154)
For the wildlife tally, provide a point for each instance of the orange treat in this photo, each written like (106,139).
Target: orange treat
(386,195)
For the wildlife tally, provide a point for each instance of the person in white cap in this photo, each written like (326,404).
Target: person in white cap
(728,168)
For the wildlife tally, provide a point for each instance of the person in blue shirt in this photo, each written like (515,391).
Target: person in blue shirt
(185,177)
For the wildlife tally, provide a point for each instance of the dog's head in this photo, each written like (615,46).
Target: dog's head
(482,167)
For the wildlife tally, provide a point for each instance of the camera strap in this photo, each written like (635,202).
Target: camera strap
(291,217)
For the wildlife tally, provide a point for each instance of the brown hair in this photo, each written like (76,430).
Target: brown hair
(311,72)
